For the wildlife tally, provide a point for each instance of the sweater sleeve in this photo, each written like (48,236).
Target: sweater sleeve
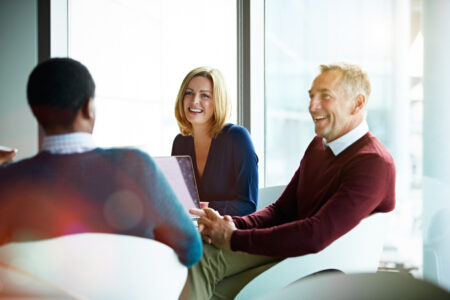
(170,223)
(244,163)
(279,212)
(363,186)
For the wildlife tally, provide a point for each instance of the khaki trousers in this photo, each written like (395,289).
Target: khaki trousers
(221,274)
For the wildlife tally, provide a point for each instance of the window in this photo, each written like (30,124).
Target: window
(139,51)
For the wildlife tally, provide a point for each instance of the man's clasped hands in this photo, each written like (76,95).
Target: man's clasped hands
(214,228)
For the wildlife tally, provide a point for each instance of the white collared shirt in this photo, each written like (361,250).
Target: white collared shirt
(68,143)
(340,144)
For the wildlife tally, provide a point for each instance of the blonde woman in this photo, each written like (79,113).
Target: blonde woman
(225,162)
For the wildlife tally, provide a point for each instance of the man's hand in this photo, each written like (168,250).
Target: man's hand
(214,228)
(7,155)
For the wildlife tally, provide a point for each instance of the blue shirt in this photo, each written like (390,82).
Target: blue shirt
(230,178)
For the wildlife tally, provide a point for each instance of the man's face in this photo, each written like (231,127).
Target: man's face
(332,112)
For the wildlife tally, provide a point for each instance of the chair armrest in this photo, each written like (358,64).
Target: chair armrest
(357,251)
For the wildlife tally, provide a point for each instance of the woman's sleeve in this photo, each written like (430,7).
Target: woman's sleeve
(244,163)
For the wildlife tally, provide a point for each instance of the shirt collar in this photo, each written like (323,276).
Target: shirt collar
(340,144)
(68,143)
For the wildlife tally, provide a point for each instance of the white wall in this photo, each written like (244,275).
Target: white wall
(18,56)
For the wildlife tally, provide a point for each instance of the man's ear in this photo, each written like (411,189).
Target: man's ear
(88,109)
(358,103)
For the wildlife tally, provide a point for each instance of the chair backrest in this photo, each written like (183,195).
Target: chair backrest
(18,284)
(358,251)
(436,249)
(268,195)
(99,266)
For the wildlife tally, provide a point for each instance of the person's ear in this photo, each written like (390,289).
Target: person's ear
(358,103)
(88,109)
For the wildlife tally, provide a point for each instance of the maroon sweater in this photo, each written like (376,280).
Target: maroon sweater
(326,198)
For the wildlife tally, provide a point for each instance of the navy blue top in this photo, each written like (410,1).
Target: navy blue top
(230,178)
(104,190)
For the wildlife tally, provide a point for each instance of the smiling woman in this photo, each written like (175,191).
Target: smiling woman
(225,162)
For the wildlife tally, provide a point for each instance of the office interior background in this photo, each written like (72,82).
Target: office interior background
(139,51)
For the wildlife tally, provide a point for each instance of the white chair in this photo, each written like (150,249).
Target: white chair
(17,284)
(436,249)
(268,195)
(94,266)
(357,251)
(383,285)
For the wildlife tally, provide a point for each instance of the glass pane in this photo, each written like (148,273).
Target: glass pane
(139,51)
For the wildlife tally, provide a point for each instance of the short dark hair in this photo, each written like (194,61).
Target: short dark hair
(57,89)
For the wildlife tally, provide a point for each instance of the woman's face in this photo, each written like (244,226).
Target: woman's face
(198,101)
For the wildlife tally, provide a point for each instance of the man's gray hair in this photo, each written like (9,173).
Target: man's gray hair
(354,80)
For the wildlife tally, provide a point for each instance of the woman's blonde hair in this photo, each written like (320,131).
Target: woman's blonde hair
(222,107)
